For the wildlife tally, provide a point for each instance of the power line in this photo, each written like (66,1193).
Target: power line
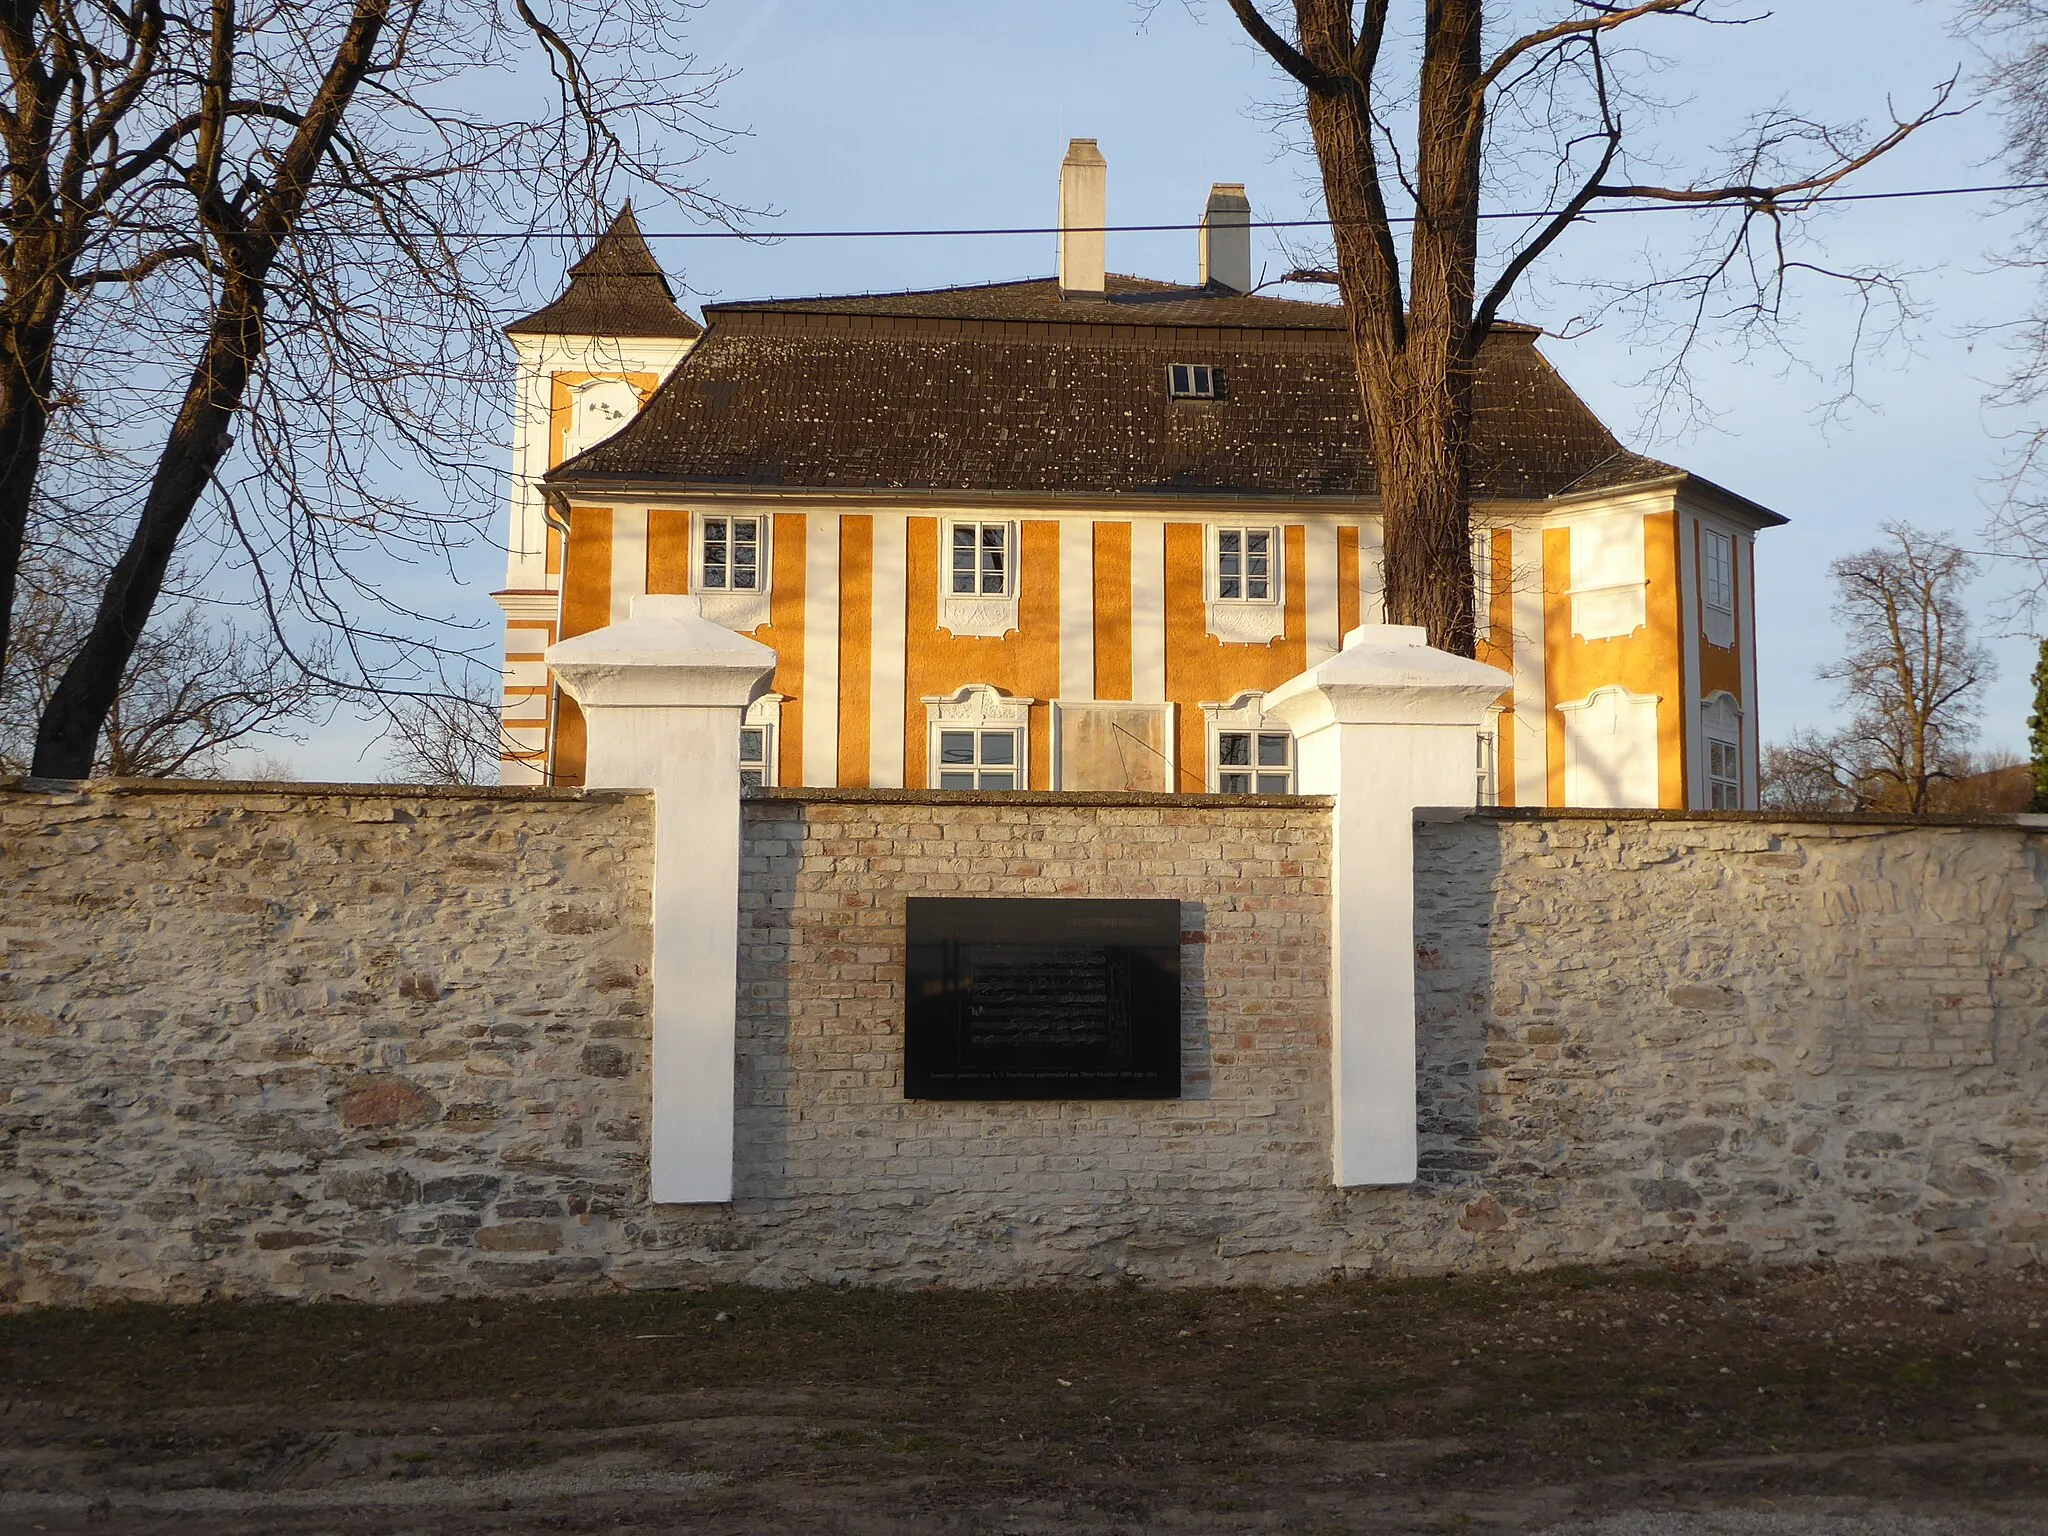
(1597,211)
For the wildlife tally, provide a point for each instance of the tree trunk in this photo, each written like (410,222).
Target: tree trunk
(26,380)
(69,732)
(1413,349)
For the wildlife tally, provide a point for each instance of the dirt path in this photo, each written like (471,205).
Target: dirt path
(1889,1400)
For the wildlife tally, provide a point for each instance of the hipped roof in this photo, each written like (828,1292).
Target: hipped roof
(1012,388)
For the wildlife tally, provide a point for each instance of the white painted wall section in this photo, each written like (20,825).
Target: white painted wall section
(1077,608)
(821,649)
(1388,726)
(1319,579)
(1532,717)
(1148,612)
(886,630)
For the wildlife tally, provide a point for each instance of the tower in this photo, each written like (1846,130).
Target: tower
(586,364)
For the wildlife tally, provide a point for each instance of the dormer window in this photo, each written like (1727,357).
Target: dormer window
(1193,381)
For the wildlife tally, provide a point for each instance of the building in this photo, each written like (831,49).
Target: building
(1066,533)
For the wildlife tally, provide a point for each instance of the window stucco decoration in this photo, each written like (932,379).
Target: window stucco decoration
(1610,750)
(597,409)
(977,708)
(1113,744)
(977,614)
(1245,619)
(1609,593)
(744,610)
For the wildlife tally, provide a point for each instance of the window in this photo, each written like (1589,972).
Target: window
(980,759)
(1193,381)
(1488,788)
(754,756)
(731,557)
(1244,565)
(1720,564)
(1254,762)
(981,560)
(1724,775)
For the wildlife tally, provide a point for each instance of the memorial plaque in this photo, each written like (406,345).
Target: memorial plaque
(1021,998)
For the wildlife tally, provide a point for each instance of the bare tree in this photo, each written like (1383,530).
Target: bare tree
(448,738)
(2012,38)
(248,263)
(195,685)
(1910,676)
(1427,116)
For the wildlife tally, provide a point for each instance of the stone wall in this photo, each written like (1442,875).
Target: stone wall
(300,1043)
(380,1044)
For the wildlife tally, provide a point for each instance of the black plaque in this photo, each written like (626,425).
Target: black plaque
(1020,998)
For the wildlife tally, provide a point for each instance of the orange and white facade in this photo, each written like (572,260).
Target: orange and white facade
(1008,538)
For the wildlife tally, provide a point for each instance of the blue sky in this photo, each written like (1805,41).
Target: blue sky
(924,113)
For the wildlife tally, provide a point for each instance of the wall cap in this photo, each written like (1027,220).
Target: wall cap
(1029,799)
(664,654)
(323,789)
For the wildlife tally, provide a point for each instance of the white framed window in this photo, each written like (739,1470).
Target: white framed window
(1717,585)
(978,738)
(1719,552)
(980,759)
(979,577)
(1244,569)
(754,749)
(1248,754)
(731,567)
(1724,775)
(1721,730)
(981,562)
(1486,791)
(729,554)
(760,726)
(1255,762)
(1193,381)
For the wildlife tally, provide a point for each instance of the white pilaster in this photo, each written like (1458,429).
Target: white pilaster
(1319,583)
(662,693)
(629,558)
(886,635)
(1388,726)
(1148,611)
(1532,717)
(1077,608)
(1372,575)
(821,648)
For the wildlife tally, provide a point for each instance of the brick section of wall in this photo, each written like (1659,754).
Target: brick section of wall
(319,1044)
(840,1178)
(309,1043)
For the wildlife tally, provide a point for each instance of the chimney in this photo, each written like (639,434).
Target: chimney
(1227,238)
(1084,210)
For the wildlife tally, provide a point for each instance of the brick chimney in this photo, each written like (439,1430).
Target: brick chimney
(1084,210)
(1227,237)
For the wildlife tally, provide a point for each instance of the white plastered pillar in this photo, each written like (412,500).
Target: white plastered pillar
(1389,727)
(662,694)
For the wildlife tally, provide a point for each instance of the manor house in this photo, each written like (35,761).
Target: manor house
(1067,532)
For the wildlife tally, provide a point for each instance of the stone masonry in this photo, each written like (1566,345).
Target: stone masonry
(305,1041)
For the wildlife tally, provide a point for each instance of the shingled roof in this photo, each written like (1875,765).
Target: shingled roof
(1012,388)
(617,289)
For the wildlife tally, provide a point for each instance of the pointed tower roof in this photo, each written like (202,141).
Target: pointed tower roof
(617,289)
